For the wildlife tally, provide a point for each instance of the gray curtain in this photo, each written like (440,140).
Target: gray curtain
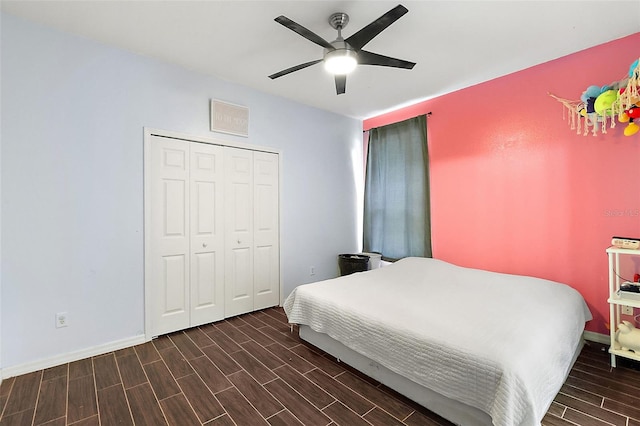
(397,220)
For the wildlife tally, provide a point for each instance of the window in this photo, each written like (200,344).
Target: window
(397,219)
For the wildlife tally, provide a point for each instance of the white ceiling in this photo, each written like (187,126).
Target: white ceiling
(454,43)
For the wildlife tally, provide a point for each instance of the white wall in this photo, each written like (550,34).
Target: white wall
(72,189)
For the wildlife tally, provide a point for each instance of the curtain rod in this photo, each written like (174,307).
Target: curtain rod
(426,113)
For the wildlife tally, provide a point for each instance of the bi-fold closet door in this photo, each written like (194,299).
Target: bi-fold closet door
(213,244)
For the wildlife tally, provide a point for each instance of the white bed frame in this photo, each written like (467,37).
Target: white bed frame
(452,410)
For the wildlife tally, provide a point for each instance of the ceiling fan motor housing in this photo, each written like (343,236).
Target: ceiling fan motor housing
(338,20)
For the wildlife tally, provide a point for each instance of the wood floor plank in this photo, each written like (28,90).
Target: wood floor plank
(210,374)
(179,412)
(604,380)
(378,416)
(582,395)
(162,342)
(54,372)
(20,418)
(420,419)
(550,420)
(263,355)
(254,367)
(340,392)
(145,408)
(256,335)
(584,419)
(222,421)
(131,370)
(305,387)
(161,380)
(60,421)
(282,337)
(233,332)
(277,324)
(253,320)
(113,407)
(341,415)
(106,371)
(296,404)
(237,321)
(23,393)
(284,418)
(52,401)
(332,368)
(222,340)
(262,400)
(221,359)
(90,421)
(6,385)
(124,352)
(81,399)
(198,337)
(147,353)
(176,362)
(185,345)
(294,360)
(382,399)
(556,409)
(81,368)
(592,410)
(622,408)
(602,390)
(239,409)
(205,405)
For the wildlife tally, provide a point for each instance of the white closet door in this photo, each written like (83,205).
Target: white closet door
(239,231)
(169,235)
(266,282)
(207,233)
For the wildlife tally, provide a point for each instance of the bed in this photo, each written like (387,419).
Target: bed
(473,346)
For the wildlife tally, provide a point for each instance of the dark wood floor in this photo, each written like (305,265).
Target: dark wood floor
(251,370)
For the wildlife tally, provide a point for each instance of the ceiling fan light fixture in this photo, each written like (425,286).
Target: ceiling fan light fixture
(340,61)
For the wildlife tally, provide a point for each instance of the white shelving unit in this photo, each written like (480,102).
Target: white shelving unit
(616,303)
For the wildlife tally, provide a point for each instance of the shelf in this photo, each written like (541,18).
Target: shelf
(626,354)
(617,250)
(623,301)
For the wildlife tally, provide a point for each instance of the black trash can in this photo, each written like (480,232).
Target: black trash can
(350,263)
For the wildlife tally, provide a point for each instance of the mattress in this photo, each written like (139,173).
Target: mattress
(497,342)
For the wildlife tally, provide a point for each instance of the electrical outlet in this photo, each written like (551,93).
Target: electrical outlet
(62,319)
(312,270)
(627,310)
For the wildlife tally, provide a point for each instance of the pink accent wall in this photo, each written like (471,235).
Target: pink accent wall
(515,190)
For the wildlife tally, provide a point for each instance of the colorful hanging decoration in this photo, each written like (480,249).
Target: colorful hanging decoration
(600,106)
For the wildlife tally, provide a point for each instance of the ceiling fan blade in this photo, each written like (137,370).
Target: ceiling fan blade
(308,34)
(370,58)
(364,36)
(341,83)
(293,69)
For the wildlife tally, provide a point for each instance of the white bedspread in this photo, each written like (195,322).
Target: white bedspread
(501,343)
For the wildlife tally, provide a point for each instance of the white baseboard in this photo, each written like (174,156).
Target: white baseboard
(605,339)
(41,364)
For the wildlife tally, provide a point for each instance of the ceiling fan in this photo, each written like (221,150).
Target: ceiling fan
(341,56)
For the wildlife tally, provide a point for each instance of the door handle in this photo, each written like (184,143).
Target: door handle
(204,244)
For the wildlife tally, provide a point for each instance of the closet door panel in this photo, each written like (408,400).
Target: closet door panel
(206,233)
(239,231)
(266,230)
(169,239)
